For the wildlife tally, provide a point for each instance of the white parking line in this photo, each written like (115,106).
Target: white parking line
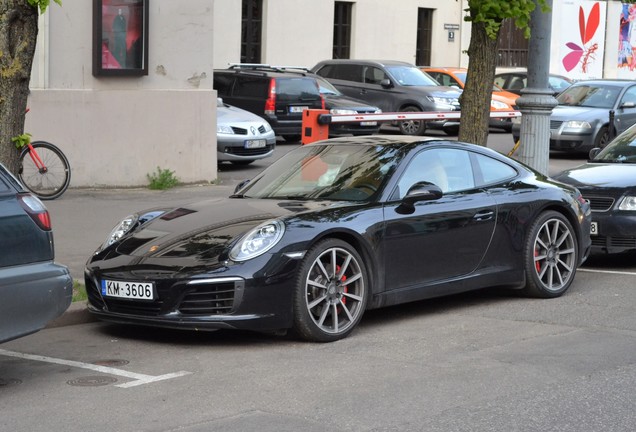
(139,379)
(608,272)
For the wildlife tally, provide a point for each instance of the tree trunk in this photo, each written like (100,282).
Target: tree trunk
(475,99)
(18,35)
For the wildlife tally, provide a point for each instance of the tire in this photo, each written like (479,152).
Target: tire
(291,138)
(325,308)
(51,181)
(550,256)
(602,138)
(412,127)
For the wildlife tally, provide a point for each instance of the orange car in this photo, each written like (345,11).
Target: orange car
(501,100)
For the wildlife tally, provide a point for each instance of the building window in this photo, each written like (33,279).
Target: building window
(342,30)
(424,42)
(251,30)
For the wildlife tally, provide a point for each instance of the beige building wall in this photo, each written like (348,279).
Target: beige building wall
(116,130)
(300,32)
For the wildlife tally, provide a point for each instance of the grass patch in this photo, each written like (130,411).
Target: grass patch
(162,179)
(79,291)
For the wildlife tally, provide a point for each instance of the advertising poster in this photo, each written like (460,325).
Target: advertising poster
(627,41)
(582,39)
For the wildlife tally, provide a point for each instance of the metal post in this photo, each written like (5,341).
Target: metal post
(536,101)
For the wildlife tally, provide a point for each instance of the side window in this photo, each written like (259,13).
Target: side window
(347,72)
(500,81)
(629,96)
(450,169)
(373,75)
(248,86)
(491,171)
(223,84)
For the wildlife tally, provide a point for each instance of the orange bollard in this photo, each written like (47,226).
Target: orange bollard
(312,129)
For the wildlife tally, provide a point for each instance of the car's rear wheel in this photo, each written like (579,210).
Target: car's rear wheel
(331,292)
(551,256)
(412,127)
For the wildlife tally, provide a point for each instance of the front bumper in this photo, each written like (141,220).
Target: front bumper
(616,232)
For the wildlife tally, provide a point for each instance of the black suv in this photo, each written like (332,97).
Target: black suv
(279,96)
(393,86)
(254,87)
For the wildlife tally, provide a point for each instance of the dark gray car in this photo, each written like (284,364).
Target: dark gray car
(393,86)
(582,120)
(33,288)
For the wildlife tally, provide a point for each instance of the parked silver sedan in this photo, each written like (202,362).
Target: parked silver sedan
(242,137)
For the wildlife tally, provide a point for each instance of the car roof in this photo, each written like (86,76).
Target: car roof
(367,62)
(617,81)
(266,70)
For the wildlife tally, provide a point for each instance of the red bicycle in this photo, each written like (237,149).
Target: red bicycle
(44,169)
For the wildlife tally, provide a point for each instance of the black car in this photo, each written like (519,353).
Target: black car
(393,86)
(34,289)
(338,227)
(276,94)
(608,181)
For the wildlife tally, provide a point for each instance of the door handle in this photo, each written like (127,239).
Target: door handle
(484,215)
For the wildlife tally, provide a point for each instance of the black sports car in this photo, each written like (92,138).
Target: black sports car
(608,181)
(337,227)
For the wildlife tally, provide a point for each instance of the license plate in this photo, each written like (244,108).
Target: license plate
(594,228)
(129,290)
(250,144)
(297,109)
(370,123)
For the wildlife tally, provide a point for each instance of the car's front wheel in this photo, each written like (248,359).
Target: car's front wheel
(551,256)
(412,127)
(331,292)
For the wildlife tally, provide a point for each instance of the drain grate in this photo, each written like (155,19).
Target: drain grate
(9,382)
(92,381)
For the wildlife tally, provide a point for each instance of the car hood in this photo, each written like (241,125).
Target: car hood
(206,229)
(226,115)
(600,176)
(344,102)
(565,113)
(437,91)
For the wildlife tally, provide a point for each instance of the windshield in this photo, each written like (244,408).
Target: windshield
(344,172)
(592,96)
(621,150)
(410,76)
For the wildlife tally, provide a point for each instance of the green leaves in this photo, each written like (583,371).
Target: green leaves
(493,12)
(21,140)
(43,4)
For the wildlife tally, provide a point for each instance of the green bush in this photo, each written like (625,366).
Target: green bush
(162,179)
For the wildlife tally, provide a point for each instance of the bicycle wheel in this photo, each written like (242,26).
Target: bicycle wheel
(52,179)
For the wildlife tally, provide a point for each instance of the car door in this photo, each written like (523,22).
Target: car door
(437,239)
(625,114)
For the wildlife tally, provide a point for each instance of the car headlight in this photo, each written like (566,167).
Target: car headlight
(577,124)
(343,111)
(499,105)
(121,229)
(224,129)
(443,100)
(628,203)
(258,241)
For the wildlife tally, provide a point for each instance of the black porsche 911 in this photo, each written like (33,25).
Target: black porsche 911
(608,181)
(337,227)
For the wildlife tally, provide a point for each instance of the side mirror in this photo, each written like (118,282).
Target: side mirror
(422,191)
(219,102)
(595,151)
(628,105)
(386,83)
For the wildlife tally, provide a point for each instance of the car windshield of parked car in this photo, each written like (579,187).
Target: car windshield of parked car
(592,96)
(621,150)
(558,83)
(327,172)
(410,76)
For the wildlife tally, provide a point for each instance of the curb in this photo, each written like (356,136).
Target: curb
(77,313)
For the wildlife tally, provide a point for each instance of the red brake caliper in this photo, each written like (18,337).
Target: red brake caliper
(342,279)
(537,264)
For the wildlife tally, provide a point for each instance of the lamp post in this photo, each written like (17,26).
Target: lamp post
(537,99)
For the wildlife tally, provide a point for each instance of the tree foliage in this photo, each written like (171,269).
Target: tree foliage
(18,36)
(486,17)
